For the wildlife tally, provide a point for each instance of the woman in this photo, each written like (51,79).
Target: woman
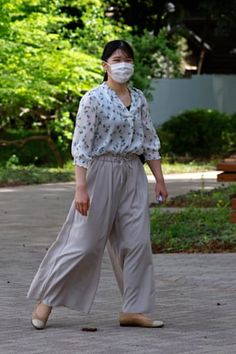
(113,128)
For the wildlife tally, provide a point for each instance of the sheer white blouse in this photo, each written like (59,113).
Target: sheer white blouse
(105,125)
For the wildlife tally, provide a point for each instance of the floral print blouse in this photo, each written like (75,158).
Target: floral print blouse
(105,125)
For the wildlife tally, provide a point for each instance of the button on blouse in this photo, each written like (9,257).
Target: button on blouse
(105,125)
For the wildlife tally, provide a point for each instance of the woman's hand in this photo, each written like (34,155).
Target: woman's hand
(161,190)
(82,202)
(81,194)
(155,166)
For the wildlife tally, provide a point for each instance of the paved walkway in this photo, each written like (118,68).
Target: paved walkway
(196,294)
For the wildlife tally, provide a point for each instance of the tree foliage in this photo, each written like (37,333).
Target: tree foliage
(155,57)
(49,57)
(46,65)
(152,15)
(41,71)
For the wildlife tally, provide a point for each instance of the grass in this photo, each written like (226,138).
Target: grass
(22,175)
(201,226)
(193,230)
(215,198)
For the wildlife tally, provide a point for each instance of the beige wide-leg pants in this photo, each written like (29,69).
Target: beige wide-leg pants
(69,273)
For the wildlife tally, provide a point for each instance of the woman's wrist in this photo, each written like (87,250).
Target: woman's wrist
(80,186)
(160,179)
(80,178)
(156,169)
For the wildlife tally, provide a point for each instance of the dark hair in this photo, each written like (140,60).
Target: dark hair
(112,46)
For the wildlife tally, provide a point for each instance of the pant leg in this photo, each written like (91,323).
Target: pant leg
(129,245)
(69,273)
(115,259)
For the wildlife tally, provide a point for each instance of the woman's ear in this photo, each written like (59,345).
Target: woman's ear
(104,66)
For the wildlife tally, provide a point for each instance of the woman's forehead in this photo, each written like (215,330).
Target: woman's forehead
(119,53)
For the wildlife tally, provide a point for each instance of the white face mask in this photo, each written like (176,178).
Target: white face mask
(121,72)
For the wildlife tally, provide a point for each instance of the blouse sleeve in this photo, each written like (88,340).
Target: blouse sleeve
(151,144)
(83,137)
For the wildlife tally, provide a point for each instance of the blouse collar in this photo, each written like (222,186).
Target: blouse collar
(115,96)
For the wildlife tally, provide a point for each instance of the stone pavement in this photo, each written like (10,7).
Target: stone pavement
(196,294)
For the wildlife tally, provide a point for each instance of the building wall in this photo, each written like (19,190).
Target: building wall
(173,96)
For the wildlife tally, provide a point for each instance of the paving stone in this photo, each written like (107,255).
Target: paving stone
(196,293)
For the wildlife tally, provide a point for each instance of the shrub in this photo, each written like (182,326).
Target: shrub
(199,133)
(36,152)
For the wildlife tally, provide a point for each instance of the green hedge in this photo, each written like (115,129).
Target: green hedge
(199,133)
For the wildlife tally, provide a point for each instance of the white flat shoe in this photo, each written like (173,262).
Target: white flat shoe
(138,320)
(39,322)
